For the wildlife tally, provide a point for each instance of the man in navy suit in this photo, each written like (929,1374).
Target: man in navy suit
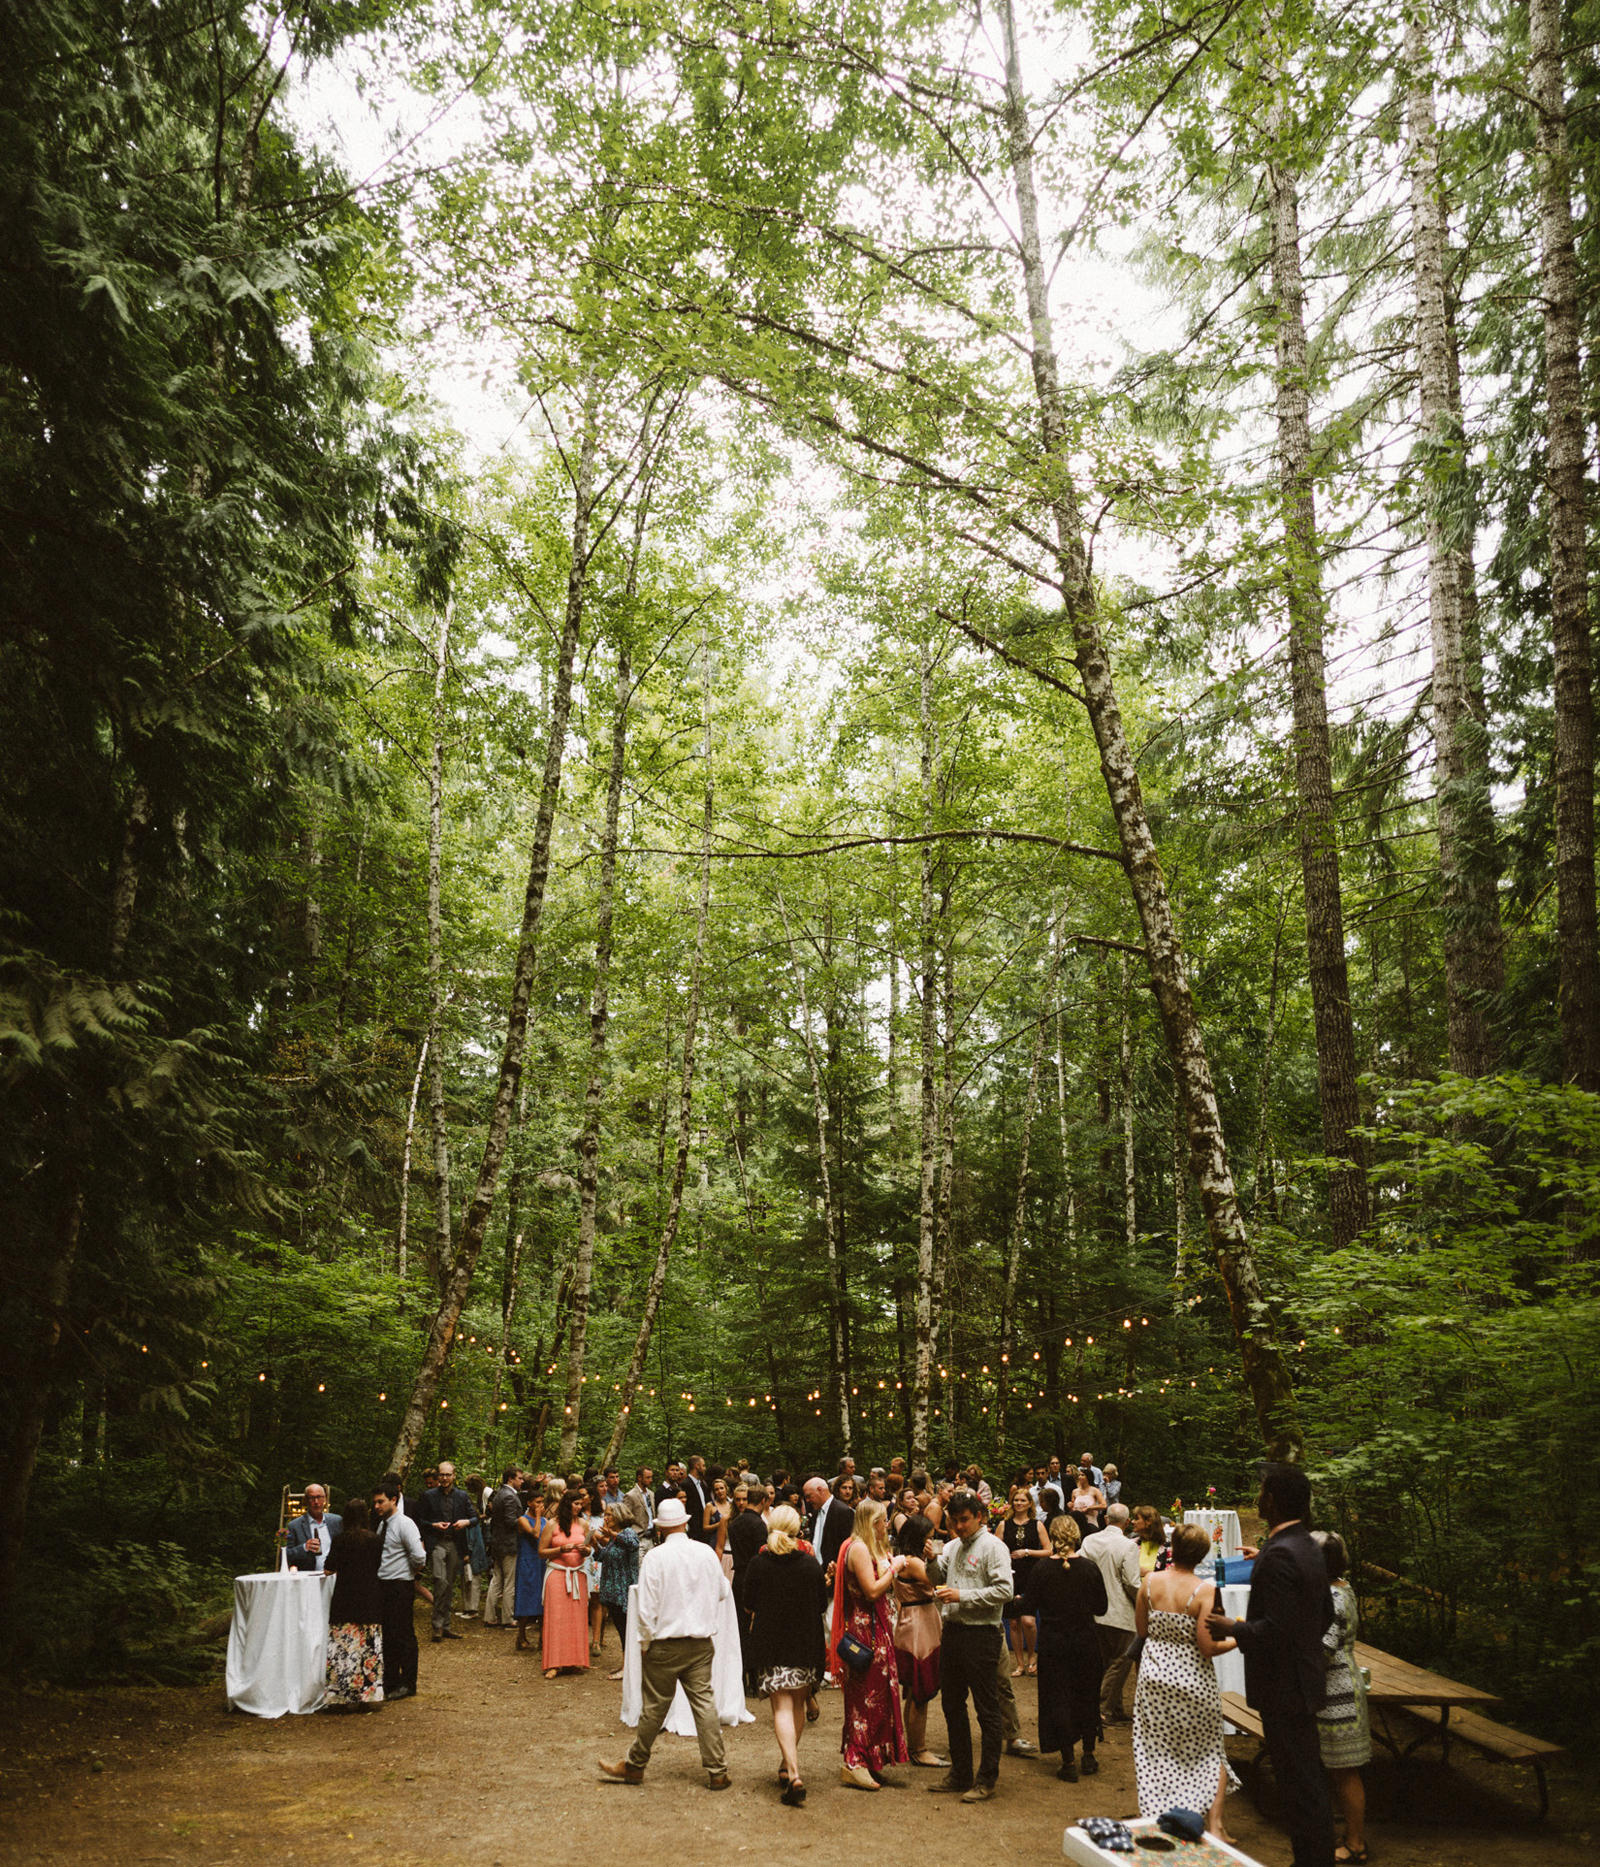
(307,1538)
(1285,1664)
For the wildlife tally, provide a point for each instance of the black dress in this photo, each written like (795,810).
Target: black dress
(1064,1598)
(1017,1536)
(786,1597)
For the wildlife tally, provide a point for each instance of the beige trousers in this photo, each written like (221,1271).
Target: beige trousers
(502,1591)
(664,1664)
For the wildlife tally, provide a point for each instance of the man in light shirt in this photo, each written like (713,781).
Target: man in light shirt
(1116,1555)
(681,1592)
(973,1573)
(400,1558)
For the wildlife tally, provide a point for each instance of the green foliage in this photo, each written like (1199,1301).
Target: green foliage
(1452,1363)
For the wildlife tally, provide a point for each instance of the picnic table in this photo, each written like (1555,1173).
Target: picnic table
(1398,1682)
(1430,1698)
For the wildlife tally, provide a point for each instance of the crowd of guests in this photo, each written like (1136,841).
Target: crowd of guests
(895,1588)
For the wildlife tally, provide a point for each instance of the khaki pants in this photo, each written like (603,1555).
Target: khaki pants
(444,1566)
(501,1605)
(664,1664)
(1010,1722)
(1116,1650)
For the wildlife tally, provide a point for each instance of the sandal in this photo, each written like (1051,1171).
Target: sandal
(550,1672)
(795,1794)
(813,1710)
(1346,1858)
(926,1760)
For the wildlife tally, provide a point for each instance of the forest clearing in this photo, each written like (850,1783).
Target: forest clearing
(798,733)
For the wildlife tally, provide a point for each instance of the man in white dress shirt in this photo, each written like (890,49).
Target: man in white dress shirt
(679,1602)
(1116,1555)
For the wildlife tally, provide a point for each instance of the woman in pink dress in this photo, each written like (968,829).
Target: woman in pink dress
(874,1731)
(566,1588)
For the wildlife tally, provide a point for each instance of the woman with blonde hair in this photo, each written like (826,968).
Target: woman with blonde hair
(714,1520)
(861,1651)
(785,1596)
(1061,1597)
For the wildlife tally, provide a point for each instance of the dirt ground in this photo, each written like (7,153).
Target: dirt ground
(480,1765)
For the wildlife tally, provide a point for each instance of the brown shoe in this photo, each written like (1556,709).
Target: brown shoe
(623,1772)
(720,1781)
(980,1792)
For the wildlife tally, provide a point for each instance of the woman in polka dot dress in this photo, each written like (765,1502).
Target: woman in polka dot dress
(1177,1710)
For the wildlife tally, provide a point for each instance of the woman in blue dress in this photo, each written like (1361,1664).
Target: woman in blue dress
(529,1602)
(617,1552)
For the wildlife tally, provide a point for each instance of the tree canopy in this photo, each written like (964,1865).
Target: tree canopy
(964,826)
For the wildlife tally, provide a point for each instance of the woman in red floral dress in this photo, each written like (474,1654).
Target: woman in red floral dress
(874,1731)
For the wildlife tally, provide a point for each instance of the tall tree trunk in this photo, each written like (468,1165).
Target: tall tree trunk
(475,1221)
(1319,827)
(1130,1211)
(594,1093)
(439,1253)
(1068,1197)
(511,1269)
(1579,992)
(944,1231)
(1180,1205)
(669,1231)
(1266,1199)
(1265,1369)
(400,1233)
(1019,1215)
(1473,963)
(511,1265)
(836,1351)
(922,1349)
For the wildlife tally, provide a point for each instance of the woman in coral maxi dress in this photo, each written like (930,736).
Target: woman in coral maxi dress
(566,1589)
(874,1731)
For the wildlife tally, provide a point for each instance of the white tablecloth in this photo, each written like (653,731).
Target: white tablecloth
(1208,1521)
(278,1643)
(1230,1666)
(727,1675)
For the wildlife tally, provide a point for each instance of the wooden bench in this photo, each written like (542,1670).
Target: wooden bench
(1239,1714)
(1498,1741)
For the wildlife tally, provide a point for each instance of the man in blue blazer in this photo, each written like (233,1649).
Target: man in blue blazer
(1285,1663)
(307,1538)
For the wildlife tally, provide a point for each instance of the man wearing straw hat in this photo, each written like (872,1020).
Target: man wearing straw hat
(681,1592)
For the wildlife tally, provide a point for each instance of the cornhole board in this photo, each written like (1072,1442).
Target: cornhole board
(1152,1848)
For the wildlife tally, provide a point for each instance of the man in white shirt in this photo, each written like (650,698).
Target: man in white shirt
(681,1592)
(1116,1555)
(399,1559)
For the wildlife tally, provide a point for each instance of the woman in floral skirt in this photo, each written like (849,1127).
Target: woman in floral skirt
(874,1732)
(355,1614)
